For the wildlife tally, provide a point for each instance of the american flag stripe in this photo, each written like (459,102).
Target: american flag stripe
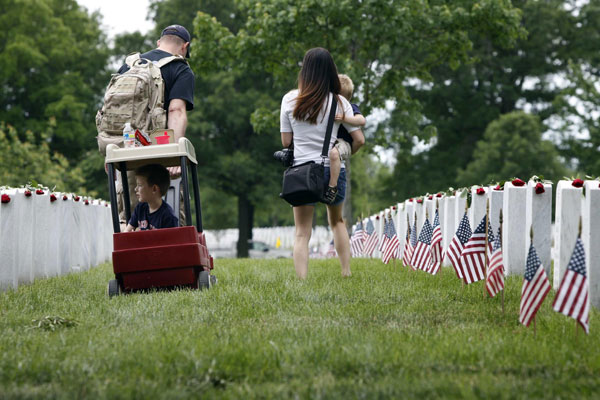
(495,277)
(391,249)
(421,256)
(436,246)
(371,239)
(572,298)
(461,237)
(533,295)
(453,253)
(474,253)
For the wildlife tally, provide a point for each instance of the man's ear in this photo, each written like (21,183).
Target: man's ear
(155,188)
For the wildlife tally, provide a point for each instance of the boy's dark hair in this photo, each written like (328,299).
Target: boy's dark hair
(155,174)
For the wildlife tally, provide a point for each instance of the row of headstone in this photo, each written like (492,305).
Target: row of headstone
(43,236)
(284,235)
(525,207)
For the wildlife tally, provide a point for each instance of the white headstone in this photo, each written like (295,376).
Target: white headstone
(460,205)
(9,225)
(24,210)
(378,220)
(430,209)
(67,240)
(539,214)
(568,210)
(410,211)
(79,246)
(449,227)
(478,206)
(420,212)
(400,222)
(42,230)
(496,198)
(514,231)
(590,235)
(53,268)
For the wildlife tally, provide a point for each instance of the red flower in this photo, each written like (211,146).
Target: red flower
(539,188)
(430,197)
(52,198)
(39,191)
(410,200)
(394,208)
(65,197)
(106,205)
(498,187)
(439,194)
(480,191)
(577,183)
(76,198)
(419,201)
(87,203)
(27,193)
(377,217)
(5,199)
(518,182)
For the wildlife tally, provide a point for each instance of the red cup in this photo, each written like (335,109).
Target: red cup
(164,139)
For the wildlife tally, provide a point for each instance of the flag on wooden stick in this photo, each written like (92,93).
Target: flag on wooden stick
(473,254)
(392,243)
(357,241)
(461,237)
(408,248)
(421,258)
(371,239)
(436,246)
(535,287)
(572,298)
(494,282)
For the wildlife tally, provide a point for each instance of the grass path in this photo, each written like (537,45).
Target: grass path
(261,333)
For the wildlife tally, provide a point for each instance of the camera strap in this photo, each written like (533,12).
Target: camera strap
(325,151)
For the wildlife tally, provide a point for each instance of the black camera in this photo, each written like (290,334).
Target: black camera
(286,156)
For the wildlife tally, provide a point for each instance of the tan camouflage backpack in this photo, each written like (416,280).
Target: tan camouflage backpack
(137,97)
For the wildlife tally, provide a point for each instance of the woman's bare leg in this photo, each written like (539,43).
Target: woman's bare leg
(335,166)
(303,216)
(340,236)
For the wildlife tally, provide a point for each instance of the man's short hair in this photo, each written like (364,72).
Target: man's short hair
(172,39)
(155,174)
(347,87)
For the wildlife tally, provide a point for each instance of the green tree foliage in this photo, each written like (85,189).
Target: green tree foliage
(460,103)
(512,146)
(53,59)
(24,161)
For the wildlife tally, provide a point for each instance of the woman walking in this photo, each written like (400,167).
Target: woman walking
(303,122)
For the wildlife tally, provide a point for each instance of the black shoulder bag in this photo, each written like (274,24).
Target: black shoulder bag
(305,183)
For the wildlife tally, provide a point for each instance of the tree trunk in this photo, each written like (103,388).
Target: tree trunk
(347,210)
(245,222)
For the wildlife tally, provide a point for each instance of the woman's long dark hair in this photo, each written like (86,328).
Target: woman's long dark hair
(318,77)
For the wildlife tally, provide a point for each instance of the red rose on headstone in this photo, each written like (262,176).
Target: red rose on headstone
(377,217)
(439,195)
(430,197)
(39,191)
(518,182)
(419,201)
(480,191)
(65,197)
(52,198)
(87,203)
(27,193)
(410,200)
(76,198)
(539,188)
(577,183)
(498,187)
(5,199)
(394,208)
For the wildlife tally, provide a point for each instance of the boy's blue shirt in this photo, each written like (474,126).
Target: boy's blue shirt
(164,217)
(342,132)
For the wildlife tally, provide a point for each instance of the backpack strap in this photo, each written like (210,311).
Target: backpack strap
(164,61)
(133,57)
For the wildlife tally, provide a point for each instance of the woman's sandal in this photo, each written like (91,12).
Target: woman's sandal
(330,194)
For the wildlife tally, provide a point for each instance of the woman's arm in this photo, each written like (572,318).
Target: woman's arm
(286,139)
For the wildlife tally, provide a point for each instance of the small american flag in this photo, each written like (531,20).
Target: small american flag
(413,242)
(371,239)
(535,287)
(436,246)
(421,258)
(495,277)
(391,242)
(572,298)
(331,250)
(357,242)
(461,237)
(408,249)
(473,255)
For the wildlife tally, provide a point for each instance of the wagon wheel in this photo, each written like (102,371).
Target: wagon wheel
(204,280)
(113,288)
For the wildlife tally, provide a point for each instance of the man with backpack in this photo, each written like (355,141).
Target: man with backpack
(149,95)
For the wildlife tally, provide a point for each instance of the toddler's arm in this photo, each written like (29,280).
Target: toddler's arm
(356,120)
(130,228)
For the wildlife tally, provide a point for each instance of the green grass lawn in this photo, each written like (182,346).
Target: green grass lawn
(262,333)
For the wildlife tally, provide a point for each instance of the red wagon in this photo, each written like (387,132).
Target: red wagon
(162,258)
